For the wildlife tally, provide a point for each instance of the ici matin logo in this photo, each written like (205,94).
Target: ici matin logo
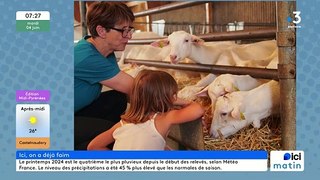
(286,161)
(294,19)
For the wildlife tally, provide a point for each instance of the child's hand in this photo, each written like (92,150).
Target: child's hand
(181,102)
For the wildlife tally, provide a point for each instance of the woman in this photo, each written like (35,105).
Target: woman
(110,26)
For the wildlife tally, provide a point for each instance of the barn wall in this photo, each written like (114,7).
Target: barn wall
(174,19)
(258,13)
(187,15)
(138,6)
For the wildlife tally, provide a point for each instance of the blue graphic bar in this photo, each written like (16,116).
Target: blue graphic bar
(141,155)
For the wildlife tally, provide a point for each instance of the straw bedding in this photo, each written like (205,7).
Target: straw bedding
(268,137)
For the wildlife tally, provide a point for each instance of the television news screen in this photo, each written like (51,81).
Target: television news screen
(263,124)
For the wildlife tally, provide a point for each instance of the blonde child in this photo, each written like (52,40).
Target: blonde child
(150,115)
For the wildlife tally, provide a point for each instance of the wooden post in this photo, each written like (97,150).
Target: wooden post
(208,29)
(286,39)
(83,9)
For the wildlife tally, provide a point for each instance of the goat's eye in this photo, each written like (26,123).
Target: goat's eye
(223,114)
(168,42)
(186,40)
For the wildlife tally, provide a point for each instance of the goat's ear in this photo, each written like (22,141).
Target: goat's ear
(231,88)
(203,92)
(237,113)
(228,88)
(235,88)
(160,43)
(196,40)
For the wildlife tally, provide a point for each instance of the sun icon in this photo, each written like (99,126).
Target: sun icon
(33,120)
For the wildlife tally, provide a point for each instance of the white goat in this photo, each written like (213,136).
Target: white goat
(239,109)
(190,92)
(227,83)
(156,51)
(132,69)
(184,45)
(147,52)
(270,62)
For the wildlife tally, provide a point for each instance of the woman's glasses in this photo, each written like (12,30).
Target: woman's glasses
(124,32)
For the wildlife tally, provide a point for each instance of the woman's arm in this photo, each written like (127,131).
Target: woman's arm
(101,141)
(122,82)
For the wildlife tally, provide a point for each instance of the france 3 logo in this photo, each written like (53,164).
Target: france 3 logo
(293,22)
(286,161)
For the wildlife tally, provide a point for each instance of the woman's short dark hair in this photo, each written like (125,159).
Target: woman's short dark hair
(107,14)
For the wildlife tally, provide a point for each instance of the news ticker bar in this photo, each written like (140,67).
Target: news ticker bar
(34,161)
(141,155)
